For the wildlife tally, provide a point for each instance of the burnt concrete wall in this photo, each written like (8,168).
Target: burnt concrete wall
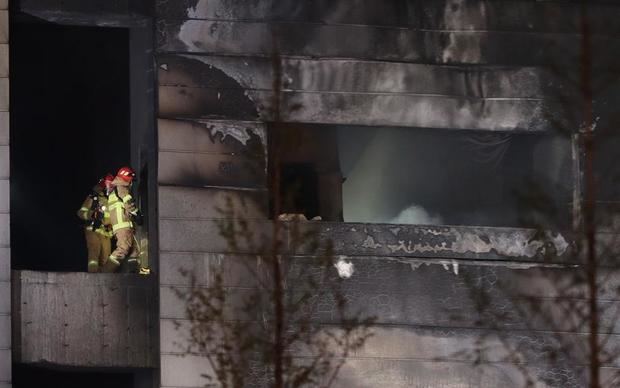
(438,64)
(444,65)
(115,13)
(200,168)
(84,320)
(5,257)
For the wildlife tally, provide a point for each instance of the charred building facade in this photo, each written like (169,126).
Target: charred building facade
(416,130)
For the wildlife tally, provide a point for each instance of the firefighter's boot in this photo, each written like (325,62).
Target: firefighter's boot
(93,266)
(112,264)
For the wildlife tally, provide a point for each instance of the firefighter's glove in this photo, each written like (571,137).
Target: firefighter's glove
(138,218)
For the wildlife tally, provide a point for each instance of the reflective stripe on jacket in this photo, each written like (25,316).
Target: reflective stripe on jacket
(120,203)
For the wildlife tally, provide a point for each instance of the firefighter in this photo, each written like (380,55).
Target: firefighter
(98,229)
(122,212)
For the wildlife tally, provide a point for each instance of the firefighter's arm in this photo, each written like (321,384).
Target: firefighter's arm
(128,203)
(131,207)
(85,212)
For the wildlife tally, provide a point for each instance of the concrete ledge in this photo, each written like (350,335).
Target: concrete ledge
(82,319)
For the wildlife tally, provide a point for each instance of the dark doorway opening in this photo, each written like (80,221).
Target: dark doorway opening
(299,191)
(70,124)
(26,376)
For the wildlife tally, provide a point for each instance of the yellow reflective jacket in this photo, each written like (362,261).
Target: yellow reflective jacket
(97,201)
(121,205)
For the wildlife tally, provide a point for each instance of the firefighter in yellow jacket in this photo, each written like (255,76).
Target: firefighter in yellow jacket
(122,211)
(98,229)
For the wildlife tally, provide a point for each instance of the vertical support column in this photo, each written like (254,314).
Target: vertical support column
(143,139)
(5,257)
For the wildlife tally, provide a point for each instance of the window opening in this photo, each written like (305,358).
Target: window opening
(423,176)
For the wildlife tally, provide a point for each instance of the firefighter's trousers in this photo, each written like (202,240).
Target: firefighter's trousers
(126,246)
(99,247)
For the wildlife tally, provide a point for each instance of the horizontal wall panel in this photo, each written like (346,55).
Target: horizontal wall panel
(191,169)
(532,16)
(339,75)
(5,327)
(502,279)
(4,94)
(514,280)
(377,43)
(382,110)
(206,236)
(76,6)
(383,240)
(225,103)
(4,26)
(181,269)
(5,340)
(213,137)
(4,128)
(414,111)
(397,373)
(5,238)
(436,344)
(448,295)
(5,297)
(210,203)
(5,368)
(178,371)
(4,195)
(191,236)
(356,239)
(5,170)
(464,242)
(4,60)
(173,305)
(5,264)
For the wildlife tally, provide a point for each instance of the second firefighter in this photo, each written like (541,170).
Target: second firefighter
(98,228)
(122,212)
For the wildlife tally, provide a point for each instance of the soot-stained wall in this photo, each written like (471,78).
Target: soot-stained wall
(437,66)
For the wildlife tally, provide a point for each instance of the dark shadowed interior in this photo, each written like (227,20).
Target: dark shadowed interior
(25,376)
(69,126)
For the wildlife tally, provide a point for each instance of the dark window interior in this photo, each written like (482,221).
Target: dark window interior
(69,126)
(299,189)
(309,171)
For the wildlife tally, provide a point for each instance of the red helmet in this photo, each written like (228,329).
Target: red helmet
(108,178)
(126,174)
